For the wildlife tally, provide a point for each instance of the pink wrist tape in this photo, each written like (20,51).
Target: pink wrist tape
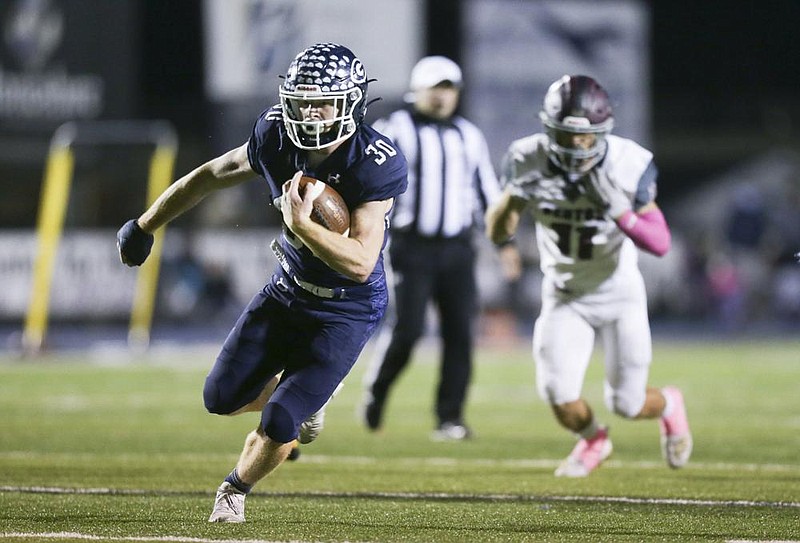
(648,230)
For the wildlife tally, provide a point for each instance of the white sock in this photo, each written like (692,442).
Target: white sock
(668,404)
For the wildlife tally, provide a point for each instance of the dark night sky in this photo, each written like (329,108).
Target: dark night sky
(725,55)
(726,84)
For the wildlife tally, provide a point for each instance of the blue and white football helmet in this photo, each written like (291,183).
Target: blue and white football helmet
(577,104)
(324,73)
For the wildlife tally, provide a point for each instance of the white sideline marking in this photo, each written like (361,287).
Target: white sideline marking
(535,463)
(419,496)
(170,538)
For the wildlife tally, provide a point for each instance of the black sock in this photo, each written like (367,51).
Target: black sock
(238,484)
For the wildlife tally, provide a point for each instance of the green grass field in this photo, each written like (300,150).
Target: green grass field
(103,447)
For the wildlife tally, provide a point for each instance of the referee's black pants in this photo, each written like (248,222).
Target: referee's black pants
(442,271)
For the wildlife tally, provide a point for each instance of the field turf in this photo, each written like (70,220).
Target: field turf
(107,446)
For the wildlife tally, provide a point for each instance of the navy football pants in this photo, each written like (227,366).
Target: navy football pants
(315,343)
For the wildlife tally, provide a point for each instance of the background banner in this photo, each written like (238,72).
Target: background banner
(515,50)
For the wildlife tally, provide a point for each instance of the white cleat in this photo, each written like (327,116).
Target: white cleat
(677,450)
(313,425)
(228,505)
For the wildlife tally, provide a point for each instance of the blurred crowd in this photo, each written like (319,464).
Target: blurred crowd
(746,271)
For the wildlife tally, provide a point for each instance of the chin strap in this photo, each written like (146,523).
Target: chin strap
(648,230)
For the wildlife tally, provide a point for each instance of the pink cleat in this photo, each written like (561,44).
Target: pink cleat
(676,439)
(586,456)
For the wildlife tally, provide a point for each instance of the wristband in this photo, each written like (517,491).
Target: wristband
(511,240)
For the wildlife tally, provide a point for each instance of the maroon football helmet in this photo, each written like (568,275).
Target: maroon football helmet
(577,104)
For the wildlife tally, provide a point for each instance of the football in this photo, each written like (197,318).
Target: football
(330,210)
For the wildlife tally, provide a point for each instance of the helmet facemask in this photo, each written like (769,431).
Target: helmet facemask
(311,133)
(576,159)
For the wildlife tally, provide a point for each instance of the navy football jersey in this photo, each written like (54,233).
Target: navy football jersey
(366,167)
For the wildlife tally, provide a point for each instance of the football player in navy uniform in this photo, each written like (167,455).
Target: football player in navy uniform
(592,198)
(309,324)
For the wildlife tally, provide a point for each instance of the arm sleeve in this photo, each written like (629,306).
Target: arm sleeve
(648,230)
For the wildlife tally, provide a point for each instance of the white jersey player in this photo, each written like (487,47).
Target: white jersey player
(592,197)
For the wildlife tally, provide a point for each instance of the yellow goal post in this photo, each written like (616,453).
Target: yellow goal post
(53,202)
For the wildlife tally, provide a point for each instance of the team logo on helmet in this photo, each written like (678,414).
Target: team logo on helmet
(358,74)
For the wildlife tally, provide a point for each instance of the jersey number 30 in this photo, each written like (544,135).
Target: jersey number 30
(382,150)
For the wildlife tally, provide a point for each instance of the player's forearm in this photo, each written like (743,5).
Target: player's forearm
(351,257)
(180,197)
(355,254)
(224,171)
(501,221)
(648,229)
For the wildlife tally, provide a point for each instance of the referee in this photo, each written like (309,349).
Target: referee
(451,181)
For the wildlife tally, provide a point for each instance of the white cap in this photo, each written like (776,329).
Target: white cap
(430,71)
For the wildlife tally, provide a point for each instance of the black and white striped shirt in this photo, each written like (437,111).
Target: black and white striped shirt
(451,180)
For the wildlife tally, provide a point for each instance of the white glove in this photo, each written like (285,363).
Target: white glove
(616,200)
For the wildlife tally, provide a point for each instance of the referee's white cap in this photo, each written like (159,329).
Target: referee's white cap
(430,71)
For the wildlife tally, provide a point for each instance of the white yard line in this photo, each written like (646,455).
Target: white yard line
(544,463)
(90,537)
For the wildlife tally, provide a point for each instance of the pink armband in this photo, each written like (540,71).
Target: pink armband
(648,230)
